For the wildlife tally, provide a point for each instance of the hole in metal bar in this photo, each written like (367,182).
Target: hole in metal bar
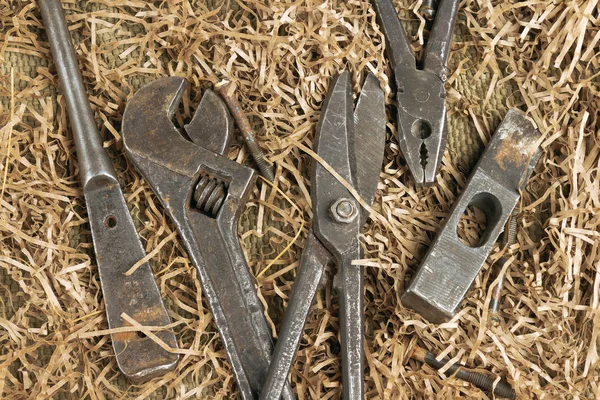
(421,129)
(478,220)
(110,221)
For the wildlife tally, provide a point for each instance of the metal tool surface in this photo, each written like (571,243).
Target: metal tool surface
(351,141)
(204,193)
(450,267)
(420,87)
(116,242)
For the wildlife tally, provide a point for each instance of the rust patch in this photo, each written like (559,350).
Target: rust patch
(123,337)
(152,315)
(513,151)
(147,317)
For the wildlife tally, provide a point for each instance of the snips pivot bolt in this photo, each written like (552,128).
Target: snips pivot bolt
(344,211)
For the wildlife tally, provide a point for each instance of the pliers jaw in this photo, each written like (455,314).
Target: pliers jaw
(420,86)
(422,131)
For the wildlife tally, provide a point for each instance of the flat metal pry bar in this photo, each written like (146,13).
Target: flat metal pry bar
(204,193)
(116,243)
(450,266)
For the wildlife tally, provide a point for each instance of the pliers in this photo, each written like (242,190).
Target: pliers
(421,92)
(351,142)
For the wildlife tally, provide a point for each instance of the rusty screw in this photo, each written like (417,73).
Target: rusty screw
(508,239)
(227,92)
(478,379)
(427,9)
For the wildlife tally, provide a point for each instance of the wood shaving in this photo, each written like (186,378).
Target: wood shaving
(539,56)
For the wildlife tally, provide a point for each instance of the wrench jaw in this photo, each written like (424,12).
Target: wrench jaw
(422,132)
(212,126)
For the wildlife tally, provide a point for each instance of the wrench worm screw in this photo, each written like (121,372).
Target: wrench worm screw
(225,90)
(478,379)
(209,195)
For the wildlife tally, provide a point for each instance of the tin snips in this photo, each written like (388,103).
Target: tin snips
(351,142)
(204,193)
(420,85)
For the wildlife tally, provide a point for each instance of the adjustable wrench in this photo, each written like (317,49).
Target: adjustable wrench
(204,193)
(116,243)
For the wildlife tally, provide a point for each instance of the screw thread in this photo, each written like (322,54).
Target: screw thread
(478,379)
(263,165)
(508,239)
(226,91)
(511,230)
(485,382)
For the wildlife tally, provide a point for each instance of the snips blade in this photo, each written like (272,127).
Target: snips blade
(334,143)
(334,139)
(351,142)
(369,131)
(212,125)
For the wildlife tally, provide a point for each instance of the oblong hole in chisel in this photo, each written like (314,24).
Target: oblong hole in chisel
(478,220)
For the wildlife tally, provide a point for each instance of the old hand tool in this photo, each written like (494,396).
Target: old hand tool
(450,266)
(421,92)
(352,144)
(116,243)
(204,193)
(480,380)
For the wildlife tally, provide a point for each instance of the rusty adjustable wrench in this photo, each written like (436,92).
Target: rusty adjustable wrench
(116,243)
(450,267)
(204,193)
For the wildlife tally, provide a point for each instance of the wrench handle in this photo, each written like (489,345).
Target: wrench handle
(93,160)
